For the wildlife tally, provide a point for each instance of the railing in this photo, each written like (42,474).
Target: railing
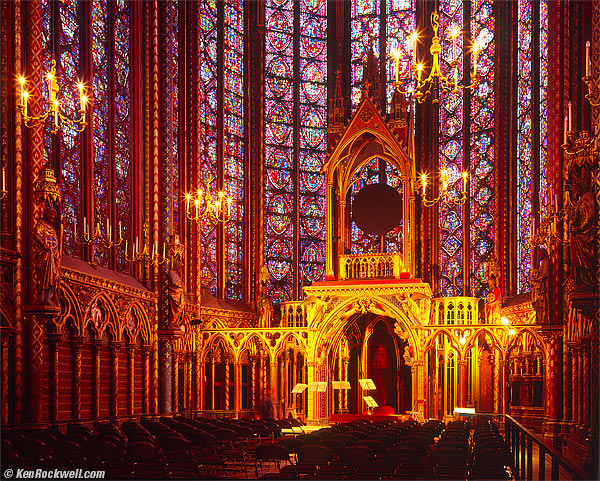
(293,314)
(371,266)
(455,310)
(520,441)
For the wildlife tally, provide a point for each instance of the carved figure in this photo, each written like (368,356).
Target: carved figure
(581,219)
(265,310)
(493,301)
(46,258)
(175,289)
(540,292)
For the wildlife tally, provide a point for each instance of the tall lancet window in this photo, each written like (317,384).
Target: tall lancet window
(222,99)
(467,143)
(295,137)
(107,81)
(386,28)
(110,125)
(532,158)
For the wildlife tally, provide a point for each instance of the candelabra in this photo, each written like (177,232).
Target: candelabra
(548,231)
(444,196)
(96,237)
(53,109)
(143,253)
(423,87)
(204,205)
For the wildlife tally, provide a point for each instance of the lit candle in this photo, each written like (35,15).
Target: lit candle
(587,58)
(56,113)
(22,83)
(107,227)
(424,183)
(120,230)
(414,42)
(570,117)
(97,228)
(456,79)
(81,96)
(419,69)
(50,91)
(475,48)
(25,97)
(164,250)
(125,247)
(3,179)
(465,176)
(187,203)
(136,247)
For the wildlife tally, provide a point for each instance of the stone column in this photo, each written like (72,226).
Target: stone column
(54,346)
(554,376)
(567,376)
(115,347)
(175,380)
(580,386)
(5,377)
(212,384)
(96,346)
(226,363)
(345,362)
(340,396)
(76,344)
(273,384)
(574,384)
(497,364)
(146,350)
(130,377)
(252,361)
(166,374)
(285,380)
(462,382)
(587,384)
(202,365)
(36,317)
(196,381)
(237,391)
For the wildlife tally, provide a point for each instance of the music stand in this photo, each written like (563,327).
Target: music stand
(371,403)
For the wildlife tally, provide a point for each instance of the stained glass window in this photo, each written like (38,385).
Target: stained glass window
(122,120)
(70,153)
(100,122)
(524,146)
(400,24)
(364,35)
(110,124)
(176,140)
(543,109)
(482,190)
(233,144)
(295,249)
(207,66)
(450,254)
(313,115)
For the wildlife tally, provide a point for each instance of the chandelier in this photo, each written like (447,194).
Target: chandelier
(424,87)
(53,108)
(444,196)
(202,204)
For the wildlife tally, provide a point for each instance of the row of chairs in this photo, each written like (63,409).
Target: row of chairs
(168,448)
(460,450)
